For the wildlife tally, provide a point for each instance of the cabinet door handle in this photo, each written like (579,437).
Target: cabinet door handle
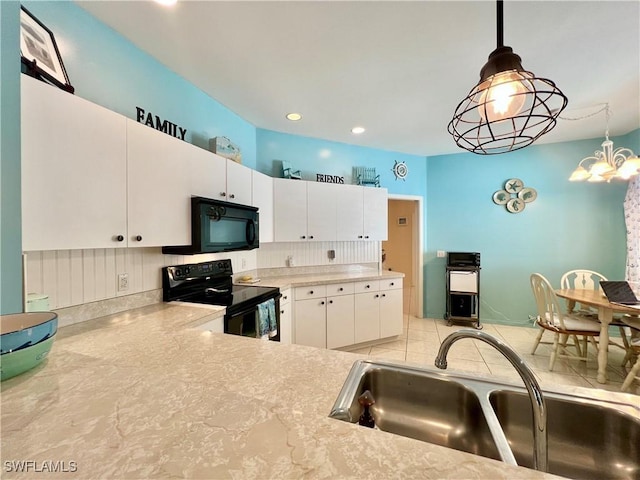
(310,292)
(367,286)
(284,297)
(223,194)
(232,196)
(282,312)
(376,296)
(120,238)
(366,236)
(303,236)
(392,284)
(340,289)
(383,295)
(310,236)
(138,238)
(330,301)
(322,303)
(359,236)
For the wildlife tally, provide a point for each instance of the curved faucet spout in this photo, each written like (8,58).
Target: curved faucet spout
(540,459)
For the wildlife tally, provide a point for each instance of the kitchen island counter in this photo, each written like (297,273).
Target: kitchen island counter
(140,394)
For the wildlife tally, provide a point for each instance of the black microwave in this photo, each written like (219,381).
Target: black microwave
(463,259)
(218,226)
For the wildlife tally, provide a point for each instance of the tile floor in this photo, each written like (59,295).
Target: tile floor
(422,336)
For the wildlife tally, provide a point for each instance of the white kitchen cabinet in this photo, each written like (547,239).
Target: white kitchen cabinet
(391,316)
(378,309)
(74,171)
(349,218)
(158,186)
(238,183)
(310,322)
(321,211)
(286,328)
(289,210)
(207,173)
(375,221)
(324,315)
(262,197)
(340,321)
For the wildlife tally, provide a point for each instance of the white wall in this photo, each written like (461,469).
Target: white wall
(75,277)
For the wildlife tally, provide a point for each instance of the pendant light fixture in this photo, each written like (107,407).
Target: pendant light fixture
(509,108)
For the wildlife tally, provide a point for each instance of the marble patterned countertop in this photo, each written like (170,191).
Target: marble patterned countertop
(140,394)
(289,281)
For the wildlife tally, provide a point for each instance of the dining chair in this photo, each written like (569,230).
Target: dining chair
(634,372)
(581,279)
(563,325)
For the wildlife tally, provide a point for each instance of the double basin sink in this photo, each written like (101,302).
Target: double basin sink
(587,438)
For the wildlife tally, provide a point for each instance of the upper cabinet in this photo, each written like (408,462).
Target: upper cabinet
(315,211)
(74,171)
(238,189)
(159,188)
(262,197)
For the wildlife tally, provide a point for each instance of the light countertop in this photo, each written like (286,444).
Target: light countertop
(289,281)
(142,395)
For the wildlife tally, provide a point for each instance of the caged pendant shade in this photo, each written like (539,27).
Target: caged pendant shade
(509,108)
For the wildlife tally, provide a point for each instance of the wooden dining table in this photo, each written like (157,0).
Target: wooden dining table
(606,309)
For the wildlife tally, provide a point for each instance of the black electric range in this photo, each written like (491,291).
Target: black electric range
(211,283)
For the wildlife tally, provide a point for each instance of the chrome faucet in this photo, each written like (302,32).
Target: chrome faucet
(540,459)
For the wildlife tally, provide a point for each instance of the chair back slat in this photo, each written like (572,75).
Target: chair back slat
(547,302)
(581,280)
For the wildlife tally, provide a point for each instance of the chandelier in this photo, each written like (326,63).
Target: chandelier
(509,108)
(607,164)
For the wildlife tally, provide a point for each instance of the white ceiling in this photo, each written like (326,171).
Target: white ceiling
(397,68)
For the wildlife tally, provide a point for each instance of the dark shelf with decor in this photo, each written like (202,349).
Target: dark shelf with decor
(463,288)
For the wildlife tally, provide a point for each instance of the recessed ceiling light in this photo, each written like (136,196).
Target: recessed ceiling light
(357,130)
(294,117)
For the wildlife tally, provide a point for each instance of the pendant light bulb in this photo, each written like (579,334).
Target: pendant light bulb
(503,97)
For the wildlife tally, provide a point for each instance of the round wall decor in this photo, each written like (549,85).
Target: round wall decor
(400,170)
(515,195)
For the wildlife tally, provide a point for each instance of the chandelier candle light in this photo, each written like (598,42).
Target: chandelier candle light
(607,164)
(509,108)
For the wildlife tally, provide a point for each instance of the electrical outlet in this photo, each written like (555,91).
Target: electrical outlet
(290,262)
(123,282)
(244,263)
(440,254)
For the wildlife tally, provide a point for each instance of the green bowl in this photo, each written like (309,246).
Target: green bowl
(20,361)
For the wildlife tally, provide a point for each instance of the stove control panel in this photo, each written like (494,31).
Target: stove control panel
(215,268)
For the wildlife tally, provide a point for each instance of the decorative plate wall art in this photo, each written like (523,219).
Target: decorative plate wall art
(515,195)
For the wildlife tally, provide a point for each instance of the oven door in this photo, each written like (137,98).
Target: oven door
(245,320)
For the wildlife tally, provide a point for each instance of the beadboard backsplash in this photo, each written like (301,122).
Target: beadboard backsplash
(75,277)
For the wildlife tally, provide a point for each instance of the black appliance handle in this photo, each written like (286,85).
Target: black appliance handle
(251,232)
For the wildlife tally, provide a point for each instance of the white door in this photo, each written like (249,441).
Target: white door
(74,177)
(159,185)
(262,197)
(207,173)
(321,211)
(238,183)
(367,319)
(375,213)
(340,321)
(289,210)
(349,217)
(310,322)
(391,319)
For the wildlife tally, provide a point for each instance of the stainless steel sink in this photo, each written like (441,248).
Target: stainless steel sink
(588,438)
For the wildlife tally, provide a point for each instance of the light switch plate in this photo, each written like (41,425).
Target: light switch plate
(441,253)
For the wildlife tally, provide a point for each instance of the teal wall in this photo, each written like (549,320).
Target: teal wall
(570,225)
(311,156)
(10,221)
(107,69)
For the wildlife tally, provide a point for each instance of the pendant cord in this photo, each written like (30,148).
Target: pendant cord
(499,22)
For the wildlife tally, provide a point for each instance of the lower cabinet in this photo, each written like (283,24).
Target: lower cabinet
(378,309)
(344,314)
(285,317)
